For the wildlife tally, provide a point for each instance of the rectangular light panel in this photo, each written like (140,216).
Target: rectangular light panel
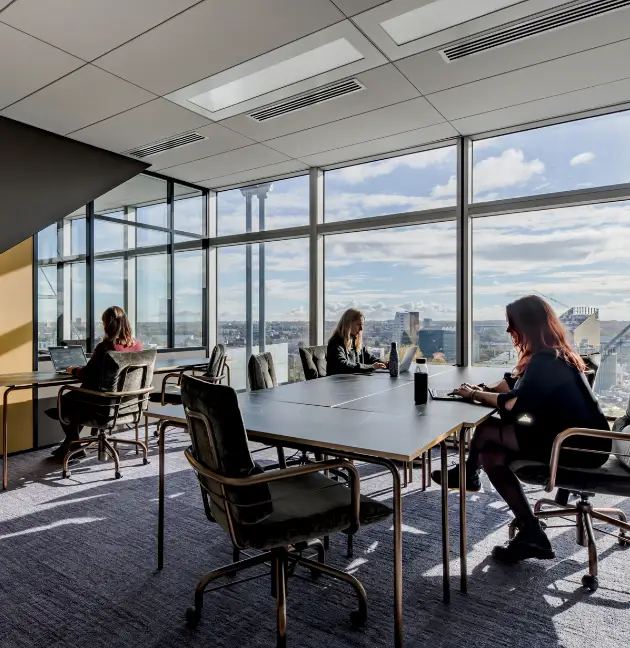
(298,68)
(437,16)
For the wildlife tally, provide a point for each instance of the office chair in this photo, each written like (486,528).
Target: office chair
(117,404)
(279,512)
(216,372)
(613,478)
(313,361)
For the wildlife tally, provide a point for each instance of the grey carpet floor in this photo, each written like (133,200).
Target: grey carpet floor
(78,570)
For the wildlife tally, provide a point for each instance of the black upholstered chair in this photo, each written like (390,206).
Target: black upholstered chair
(261,372)
(313,361)
(280,512)
(117,404)
(613,478)
(216,372)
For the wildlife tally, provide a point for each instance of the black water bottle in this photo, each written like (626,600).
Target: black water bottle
(421,382)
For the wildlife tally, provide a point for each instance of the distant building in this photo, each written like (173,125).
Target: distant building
(582,327)
(409,323)
(427,323)
(432,341)
(607,373)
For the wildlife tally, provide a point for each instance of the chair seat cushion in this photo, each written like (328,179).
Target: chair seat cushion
(622,448)
(307,507)
(172,396)
(610,479)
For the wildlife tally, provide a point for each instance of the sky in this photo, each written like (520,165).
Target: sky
(576,255)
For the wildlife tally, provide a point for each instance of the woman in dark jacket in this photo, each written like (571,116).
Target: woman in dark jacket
(545,394)
(346,353)
(118,337)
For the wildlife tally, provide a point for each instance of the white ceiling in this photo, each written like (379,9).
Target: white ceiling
(99,71)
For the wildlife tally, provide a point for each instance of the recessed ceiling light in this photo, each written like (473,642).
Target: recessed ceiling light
(439,15)
(298,68)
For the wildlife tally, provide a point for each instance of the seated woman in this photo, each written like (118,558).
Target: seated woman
(346,353)
(545,394)
(118,337)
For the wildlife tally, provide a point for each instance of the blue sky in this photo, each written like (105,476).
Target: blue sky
(576,255)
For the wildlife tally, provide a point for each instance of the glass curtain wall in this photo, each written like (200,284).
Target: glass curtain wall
(148,237)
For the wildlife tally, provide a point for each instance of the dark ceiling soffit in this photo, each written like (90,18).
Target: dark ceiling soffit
(44,177)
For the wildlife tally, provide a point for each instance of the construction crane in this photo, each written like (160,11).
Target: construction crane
(552,299)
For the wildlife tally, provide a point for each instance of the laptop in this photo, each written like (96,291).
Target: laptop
(64,357)
(405,363)
(444,394)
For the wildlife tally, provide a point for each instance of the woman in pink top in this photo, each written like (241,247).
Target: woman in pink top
(118,337)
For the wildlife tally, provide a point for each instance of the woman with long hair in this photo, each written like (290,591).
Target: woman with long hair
(545,394)
(118,336)
(346,353)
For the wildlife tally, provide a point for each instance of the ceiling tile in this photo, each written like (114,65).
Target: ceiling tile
(383,146)
(84,97)
(601,96)
(89,28)
(219,140)
(390,120)
(383,86)
(353,7)
(601,65)
(255,175)
(4,3)
(41,65)
(213,36)
(142,125)
(429,72)
(216,166)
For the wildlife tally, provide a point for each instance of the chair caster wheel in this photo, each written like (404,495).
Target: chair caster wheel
(623,540)
(590,582)
(118,475)
(193,616)
(543,525)
(66,474)
(358,619)
(145,461)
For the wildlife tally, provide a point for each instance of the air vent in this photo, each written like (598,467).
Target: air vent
(167,145)
(531,26)
(318,96)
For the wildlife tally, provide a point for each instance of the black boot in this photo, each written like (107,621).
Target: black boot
(473,483)
(530,542)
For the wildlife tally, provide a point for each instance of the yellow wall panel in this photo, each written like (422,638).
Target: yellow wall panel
(16,338)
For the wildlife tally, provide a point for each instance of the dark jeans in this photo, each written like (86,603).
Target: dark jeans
(493,446)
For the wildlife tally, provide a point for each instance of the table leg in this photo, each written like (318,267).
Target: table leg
(446,587)
(161,443)
(463,556)
(5,456)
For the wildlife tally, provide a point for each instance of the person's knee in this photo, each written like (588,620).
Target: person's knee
(484,434)
(493,460)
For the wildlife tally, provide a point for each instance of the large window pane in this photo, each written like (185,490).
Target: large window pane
(188,213)
(414,182)
(269,205)
(279,302)
(152,300)
(142,199)
(577,259)
(574,155)
(109,289)
(113,237)
(403,279)
(189,282)
(47,305)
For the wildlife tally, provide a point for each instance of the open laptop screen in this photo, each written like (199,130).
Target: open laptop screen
(64,357)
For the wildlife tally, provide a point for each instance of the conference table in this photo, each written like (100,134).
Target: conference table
(370,418)
(32,379)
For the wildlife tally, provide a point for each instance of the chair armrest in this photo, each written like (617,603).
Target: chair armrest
(286,473)
(97,394)
(559,440)
(174,374)
(212,379)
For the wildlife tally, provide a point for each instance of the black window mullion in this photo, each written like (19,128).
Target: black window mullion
(89,275)
(170,325)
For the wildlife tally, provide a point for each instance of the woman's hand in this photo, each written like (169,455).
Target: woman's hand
(379,365)
(465,391)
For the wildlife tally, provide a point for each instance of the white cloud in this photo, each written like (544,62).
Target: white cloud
(506,170)
(363,172)
(582,158)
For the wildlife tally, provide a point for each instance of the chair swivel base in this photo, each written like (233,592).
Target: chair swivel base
(280,559)
(107,447)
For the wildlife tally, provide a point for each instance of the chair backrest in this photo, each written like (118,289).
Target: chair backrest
(126,371)
(219,443)
(313,361)
(216,364)
(261,372)
(592,362)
